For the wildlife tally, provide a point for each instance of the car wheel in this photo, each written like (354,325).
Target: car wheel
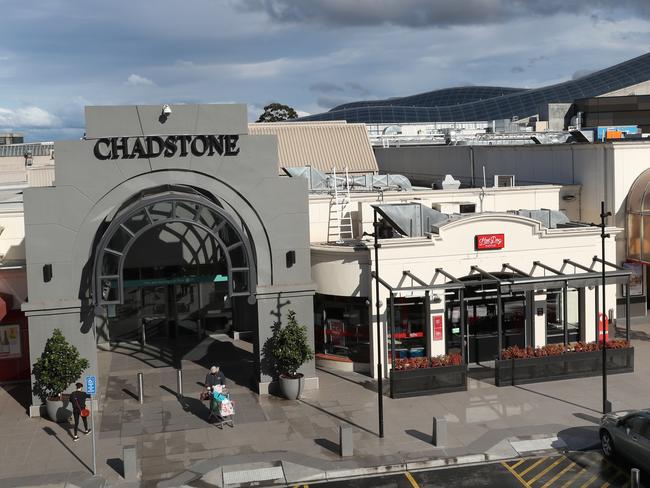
(607,444)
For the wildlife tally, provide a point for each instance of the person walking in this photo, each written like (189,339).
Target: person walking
(214,377)
(78,401)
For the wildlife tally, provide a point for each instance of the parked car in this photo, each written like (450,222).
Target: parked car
(627,433)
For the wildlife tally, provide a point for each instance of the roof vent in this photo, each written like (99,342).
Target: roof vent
(504,180)
(449,183)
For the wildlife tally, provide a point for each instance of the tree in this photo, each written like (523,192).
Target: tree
(277,112)
(58,367)
(290,347)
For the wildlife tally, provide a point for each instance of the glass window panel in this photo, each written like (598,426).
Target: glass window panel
(634,236)
(110,264)
(186,210)
(137,222)
(119,240)
(240,281)
(645,242)
(160,211)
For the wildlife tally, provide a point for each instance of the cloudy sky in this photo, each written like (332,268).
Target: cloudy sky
(58,55)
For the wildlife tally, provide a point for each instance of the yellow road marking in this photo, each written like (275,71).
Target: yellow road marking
(409,477)
(589,481)
(546,470)
(559,475)
(578,474)
(513,466)
(532,466)
(515,474)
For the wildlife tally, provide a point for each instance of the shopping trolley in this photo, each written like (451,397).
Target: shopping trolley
(222,408)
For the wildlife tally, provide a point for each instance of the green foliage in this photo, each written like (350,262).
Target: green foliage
(290,347)
(277,112)
(58,367)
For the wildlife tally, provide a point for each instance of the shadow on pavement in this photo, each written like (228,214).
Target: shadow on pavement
(327,444)
(19,392)
(556,398)
(342,419)
(117,465)
(49,431)
(419,435)
(190,404)
(130,393)
(580,438)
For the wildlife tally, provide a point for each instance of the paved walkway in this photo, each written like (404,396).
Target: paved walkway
(173,436)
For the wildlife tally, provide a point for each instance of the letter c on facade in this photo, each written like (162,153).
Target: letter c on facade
(97,151)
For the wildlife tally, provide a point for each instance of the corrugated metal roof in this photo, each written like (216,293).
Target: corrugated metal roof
(321,145)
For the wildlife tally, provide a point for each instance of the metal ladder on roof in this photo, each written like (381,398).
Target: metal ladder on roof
(340,219)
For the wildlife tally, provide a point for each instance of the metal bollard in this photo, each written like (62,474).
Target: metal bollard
(439,434)
(129,463)
(345,441)
(635,478)
(179,383)
(141,388)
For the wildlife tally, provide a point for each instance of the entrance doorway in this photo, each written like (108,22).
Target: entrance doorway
(480,302)
(170,310)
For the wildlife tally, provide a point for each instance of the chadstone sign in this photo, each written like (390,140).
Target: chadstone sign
(167,147)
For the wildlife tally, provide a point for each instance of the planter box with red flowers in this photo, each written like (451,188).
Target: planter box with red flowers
(519,366)
(427,376)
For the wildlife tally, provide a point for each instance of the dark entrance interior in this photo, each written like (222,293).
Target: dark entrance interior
(170,290)
(482,320)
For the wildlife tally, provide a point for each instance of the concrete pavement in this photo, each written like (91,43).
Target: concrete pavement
(174,440)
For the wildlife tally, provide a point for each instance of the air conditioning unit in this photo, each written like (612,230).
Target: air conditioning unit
(504,180)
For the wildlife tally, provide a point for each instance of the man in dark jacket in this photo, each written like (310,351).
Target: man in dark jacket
(78,402)
(215,377)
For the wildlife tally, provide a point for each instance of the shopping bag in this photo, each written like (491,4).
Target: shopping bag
(226,408)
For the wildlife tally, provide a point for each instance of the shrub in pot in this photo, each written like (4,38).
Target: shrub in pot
(290,350)
(59,366)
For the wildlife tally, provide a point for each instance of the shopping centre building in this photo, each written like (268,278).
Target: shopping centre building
(182,226)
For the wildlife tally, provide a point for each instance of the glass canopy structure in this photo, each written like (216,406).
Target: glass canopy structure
(476,103)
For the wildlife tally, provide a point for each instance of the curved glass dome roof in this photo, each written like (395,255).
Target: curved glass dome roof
(488,103)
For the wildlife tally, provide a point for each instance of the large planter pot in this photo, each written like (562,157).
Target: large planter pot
(58,410)
(510,372)
(427,381)
(291,388)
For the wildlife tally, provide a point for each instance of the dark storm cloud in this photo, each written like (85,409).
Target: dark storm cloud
(326,87)
(429,13)
(357,88)
(329,102)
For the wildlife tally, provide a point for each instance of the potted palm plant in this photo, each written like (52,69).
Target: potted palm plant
(59,366)
(291,350)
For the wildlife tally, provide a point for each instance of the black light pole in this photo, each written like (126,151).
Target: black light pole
(380,373)
(603,236)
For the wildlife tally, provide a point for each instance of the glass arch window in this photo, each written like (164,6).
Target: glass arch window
(198,216)
(638,218)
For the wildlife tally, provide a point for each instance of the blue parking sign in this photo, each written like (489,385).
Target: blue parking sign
(91,385)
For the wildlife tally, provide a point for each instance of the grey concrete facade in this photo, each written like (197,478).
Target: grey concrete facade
(64,223)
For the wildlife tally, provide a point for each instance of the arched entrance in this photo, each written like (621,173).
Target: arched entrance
(174,264)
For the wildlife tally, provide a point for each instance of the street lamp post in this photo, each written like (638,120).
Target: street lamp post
(603,236)
(380,374)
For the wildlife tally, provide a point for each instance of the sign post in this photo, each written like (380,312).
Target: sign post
(91,389)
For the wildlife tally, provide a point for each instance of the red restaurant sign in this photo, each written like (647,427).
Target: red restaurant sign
(490,241)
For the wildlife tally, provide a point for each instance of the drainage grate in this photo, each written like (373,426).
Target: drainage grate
(247,476)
